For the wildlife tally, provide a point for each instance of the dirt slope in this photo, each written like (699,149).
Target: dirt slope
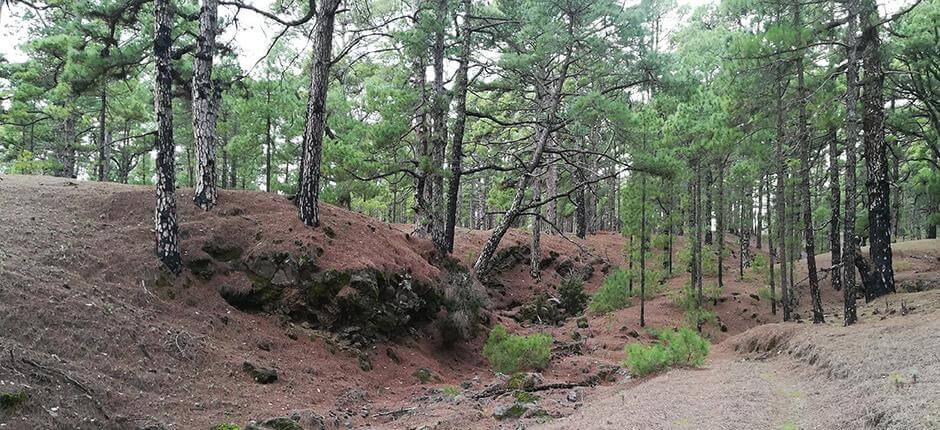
(98,336)
(880,374)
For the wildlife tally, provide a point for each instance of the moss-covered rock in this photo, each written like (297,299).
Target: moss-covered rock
(11,400)
(261,375)
(222,251)
(201,267)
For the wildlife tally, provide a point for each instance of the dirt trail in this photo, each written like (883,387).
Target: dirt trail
(881,374)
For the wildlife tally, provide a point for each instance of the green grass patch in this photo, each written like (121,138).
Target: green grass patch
(509,353)
(450,391)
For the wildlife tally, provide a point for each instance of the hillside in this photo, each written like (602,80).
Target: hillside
(347,315)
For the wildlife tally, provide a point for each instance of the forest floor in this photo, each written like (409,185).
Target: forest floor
(96,335)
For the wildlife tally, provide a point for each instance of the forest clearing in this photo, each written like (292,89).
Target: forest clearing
(469,214)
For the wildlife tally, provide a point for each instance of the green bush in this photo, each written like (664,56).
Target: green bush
(227,426)
(614,293)
(571,296)
(509,353)
(764,293)
(685,347)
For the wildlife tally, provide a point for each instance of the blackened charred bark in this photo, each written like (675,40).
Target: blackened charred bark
(771,249)
(438,133)
(835,244)
(781,198)
(809,237)
(535,258)
(308,195)
(643,250)
(721,223)
(460,122)
(760,209)
(104,139)
(65,147)
(708,205)
(697,244)
(166,228)
(204,112)
(879,209)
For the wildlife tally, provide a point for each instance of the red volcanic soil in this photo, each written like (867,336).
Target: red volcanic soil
(97,335)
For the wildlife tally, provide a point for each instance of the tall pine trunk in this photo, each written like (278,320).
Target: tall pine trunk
(781,198)
(460,121)
(643,250)
(204,115)
(104,138)
(721,223)
(166,229)
(438,133)
(770,249)
(309,193)
(535,258)
(708,206)
(835,244)
(879,209)
(809,237)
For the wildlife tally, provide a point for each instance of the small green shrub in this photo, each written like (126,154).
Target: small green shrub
(682,348)
(764,293)
(614,293)
(450,391)
(509,353)
(227,426)
(525,397)
(571,296)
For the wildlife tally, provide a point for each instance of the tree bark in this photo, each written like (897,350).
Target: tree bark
(309,194)
(65,147)
(204,115)
(165,226)
(721,222)
(708,205)
(835,244)
(809,237)
(770,249)
(781,197)
(697,244)
(760,209)
(104,138)
(643,250)
(268,139)
(535,258)
(439,133)
(460,121)
(879,209)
